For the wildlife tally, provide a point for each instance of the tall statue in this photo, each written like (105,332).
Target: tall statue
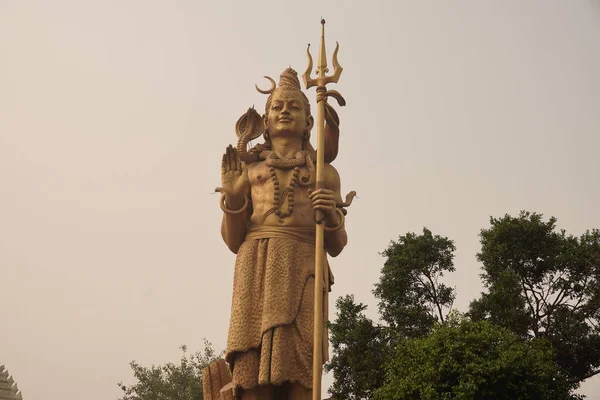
(274,199)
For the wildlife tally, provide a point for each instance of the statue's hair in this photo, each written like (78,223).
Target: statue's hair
(288,81)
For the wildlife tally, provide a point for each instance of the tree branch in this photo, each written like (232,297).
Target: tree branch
(534,312)
(435,298)
(432,293)
(583,290)
(586,376)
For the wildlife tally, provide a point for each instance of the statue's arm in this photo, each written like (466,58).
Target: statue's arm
(335,241)
(233,226)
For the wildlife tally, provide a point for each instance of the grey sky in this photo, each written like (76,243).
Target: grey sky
(114,116)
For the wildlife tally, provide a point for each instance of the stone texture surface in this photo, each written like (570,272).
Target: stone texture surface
(8,387)
(271,327)
(214,378)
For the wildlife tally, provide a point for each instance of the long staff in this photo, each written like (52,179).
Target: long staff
(320,265)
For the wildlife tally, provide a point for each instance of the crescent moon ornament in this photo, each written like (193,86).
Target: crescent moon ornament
(269,91)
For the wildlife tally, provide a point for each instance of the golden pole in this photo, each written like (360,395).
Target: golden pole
(320,265)
(321,271)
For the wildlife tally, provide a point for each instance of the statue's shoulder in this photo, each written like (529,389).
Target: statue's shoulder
(257,154)
(258,165)
(330,170)
(332,177)
(257,168)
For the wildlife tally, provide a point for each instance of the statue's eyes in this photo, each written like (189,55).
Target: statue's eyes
(277,108)
(296,108)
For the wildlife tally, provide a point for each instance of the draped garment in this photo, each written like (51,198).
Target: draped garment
(270,338)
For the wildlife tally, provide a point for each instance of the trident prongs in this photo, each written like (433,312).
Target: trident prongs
(322,79)
(306,74)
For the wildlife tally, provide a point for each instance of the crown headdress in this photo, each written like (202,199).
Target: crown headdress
(288,80)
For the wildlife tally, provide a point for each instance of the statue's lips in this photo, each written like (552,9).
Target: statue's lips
(284,120)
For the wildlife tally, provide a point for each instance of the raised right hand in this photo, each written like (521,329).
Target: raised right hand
(234,175)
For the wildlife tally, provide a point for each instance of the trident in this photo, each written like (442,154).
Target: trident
(321,269)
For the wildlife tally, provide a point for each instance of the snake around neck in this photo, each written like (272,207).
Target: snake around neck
(302,158)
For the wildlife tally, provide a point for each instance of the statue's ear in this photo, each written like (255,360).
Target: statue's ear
(310,122)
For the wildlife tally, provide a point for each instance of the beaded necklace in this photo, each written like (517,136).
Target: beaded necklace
(302,158)
(289,191)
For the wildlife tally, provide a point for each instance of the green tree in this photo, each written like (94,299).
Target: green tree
(411,299)
(360,350)
(543,283)
(170,381)
(466,360)
(411,296)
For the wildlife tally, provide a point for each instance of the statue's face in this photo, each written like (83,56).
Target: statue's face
(287,115)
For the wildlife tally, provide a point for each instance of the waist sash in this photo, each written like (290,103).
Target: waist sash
(301,233)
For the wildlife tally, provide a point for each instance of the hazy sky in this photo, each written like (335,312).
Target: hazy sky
(114,116)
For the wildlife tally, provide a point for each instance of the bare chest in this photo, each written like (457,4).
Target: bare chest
(278,197)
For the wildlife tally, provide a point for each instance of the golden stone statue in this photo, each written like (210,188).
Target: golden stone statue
(282,210)
(8,387)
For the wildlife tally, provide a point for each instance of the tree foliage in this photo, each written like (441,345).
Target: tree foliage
(466,360)
(411,295)
(412,298)
(543,283)
(360,350)
(533,334)
(170,381)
